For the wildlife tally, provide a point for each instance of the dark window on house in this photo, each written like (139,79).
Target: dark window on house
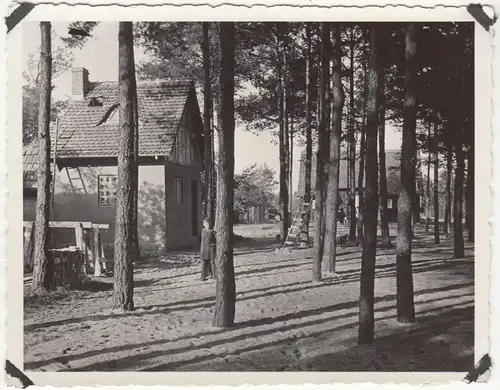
(107,189)
(389,203)
(179,189)
(96,102)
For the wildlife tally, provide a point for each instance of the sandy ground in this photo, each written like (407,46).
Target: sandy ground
(283,320)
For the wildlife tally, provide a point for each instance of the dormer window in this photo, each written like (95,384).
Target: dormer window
(96,102)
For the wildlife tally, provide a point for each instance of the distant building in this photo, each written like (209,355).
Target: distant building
(393,166)
(170,161)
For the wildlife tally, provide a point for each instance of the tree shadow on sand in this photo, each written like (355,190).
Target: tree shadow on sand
(280,321)
(415,344)
(205,302)
(425,348)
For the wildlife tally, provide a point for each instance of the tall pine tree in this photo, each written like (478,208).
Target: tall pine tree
(404,275)
(334,160)
(370,210)
(123,292)
(224,266)
(42,270)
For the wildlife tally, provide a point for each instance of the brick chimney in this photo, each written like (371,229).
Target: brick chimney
(79,83)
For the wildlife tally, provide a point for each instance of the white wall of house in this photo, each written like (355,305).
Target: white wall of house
(87,205)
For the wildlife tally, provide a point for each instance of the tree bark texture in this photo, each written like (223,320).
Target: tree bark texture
(384,221)
(458,235)
(286,115)
(123,289)
(283,143)
(470,194)
(213,187)
(224,264)
(415,201)
(367,287)
(136,252)
(352,145)
(362,153)
(334,160)
(304,239)
(428,181)
(207,131)
(322,155)
(43,267)
(290,164)
(404,273)
(436,186)
(286,137)
(449,167)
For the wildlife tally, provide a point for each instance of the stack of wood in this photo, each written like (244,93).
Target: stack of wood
(68,268)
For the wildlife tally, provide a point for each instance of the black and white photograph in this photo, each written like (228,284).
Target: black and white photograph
(251,196)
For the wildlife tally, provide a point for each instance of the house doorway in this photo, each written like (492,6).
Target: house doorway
(194,208)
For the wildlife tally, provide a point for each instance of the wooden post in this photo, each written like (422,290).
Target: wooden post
(29,238)
(96,249)
(103,257)
(87,253)
(80,239)
(78,236)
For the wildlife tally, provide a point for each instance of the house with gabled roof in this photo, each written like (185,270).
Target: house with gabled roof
(170,160)
(393,169)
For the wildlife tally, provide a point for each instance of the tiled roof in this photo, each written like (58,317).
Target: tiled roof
(161,104)
(30,164)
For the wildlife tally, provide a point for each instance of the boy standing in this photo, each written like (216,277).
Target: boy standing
(207,250)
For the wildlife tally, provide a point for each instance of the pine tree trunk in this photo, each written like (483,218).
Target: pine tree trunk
(43,263)
(304,239)
(283,187)
(207,131)
(362,153)
(286,138)
(286,124)
(213,173)
(404,273)
(352,147)
(384,223)
(322,155)
(415,201)
(123,290)
(290,165)
(334,160)
(224,265)
(428,183)
(370,211)
(458,236)
(447,210)
(136,252)
(470,194)
(436,187)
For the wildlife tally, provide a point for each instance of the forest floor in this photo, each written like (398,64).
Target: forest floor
(283,320)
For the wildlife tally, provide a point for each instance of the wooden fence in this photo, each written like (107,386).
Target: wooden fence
(87,238)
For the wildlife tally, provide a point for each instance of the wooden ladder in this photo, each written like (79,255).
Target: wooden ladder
(76,180)
(296,225)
